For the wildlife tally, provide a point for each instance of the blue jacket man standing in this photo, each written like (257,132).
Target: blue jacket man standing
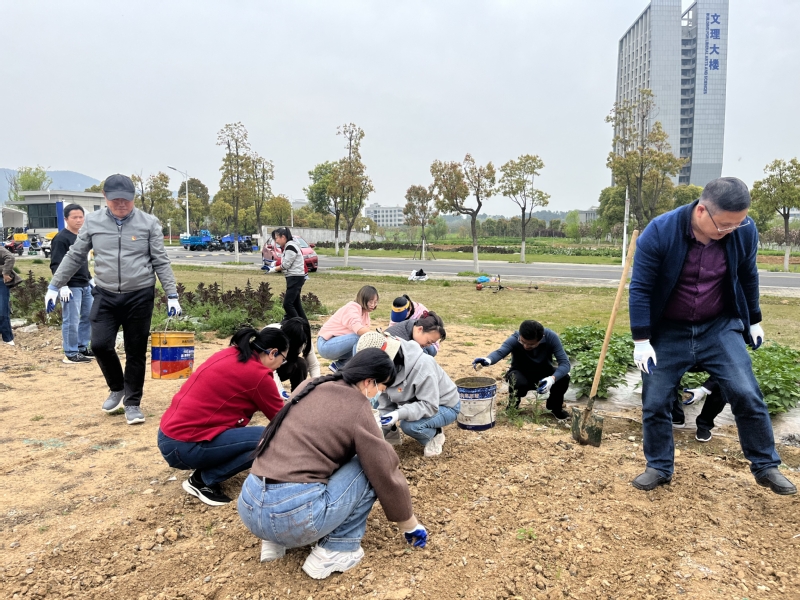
(694,302)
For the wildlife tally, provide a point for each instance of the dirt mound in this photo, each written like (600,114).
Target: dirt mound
(90,510)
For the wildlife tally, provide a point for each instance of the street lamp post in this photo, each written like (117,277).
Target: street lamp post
(169,224)
(186,177)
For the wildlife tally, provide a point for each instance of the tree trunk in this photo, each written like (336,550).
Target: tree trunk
(346,246)
(336,235)
(786,241)
(524,227)
(423,243)
(474,227)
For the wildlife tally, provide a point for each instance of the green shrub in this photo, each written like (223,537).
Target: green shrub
(583,345)
(225,321)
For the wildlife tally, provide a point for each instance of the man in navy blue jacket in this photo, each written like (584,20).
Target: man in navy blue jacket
(694,302)
(532,350)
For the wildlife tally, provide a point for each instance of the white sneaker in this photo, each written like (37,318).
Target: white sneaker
(393,435)
(11,343)
(321,562)
(271,551)
(434,447)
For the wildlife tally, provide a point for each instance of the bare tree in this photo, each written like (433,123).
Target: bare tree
(517,183)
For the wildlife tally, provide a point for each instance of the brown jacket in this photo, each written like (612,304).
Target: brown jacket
(322,432)
(7,260)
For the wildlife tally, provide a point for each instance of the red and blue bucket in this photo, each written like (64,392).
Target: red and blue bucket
(172,354)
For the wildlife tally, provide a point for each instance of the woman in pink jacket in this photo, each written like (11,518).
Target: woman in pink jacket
(339,335)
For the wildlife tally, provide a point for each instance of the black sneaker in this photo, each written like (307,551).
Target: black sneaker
(678,424)
(87,352)
(560,414)
(703,435)
(210,494)
(75,359)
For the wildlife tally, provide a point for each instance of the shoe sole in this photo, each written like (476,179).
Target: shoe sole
(706,440)
(678,425)
(648,488)
(323,572)
(190,489)
(134,421)
(67,361)
(779,491)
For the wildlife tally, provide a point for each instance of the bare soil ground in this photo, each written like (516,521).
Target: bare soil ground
(90,509)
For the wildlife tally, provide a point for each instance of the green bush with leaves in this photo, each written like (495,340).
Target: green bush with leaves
(777,370)
(583,345)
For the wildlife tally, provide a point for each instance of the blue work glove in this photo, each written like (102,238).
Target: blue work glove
(417,537)
(390,419)
(50,299)
(644,355)
(482,362)
(757,333)
(173,307)
(65,294)
(545,384)
(284,394)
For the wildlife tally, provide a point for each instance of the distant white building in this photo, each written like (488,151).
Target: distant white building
(45,208)
(385,216)
(588,216)
(298,204)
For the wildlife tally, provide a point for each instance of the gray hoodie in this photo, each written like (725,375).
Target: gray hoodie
(420,388)
(127,257)
(292,262)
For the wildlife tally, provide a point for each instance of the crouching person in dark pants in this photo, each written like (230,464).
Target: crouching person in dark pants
(532,350)
(129,252)
(205,427)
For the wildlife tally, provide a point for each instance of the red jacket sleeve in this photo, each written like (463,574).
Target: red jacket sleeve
(268,399)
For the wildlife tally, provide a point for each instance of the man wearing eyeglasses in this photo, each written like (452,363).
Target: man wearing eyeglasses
(532,351)
(129,252)
(694,301)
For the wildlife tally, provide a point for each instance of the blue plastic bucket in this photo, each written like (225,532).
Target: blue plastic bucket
(478,409)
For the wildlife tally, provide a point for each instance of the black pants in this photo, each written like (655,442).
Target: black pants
(291,299)
(712,406)
(296,372)
(522,382)
(132,311)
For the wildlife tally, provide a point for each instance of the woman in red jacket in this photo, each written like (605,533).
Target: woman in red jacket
(205,427)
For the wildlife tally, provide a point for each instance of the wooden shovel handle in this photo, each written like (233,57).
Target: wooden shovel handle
(622,281)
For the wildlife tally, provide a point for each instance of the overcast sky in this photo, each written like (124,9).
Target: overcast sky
(104,86)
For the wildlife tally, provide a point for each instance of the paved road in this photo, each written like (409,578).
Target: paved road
(535,272)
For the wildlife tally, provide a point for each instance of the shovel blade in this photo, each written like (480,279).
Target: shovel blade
(587,428)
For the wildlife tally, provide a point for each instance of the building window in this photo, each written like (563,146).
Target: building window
(42,216)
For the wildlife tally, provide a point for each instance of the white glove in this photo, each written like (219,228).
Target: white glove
(545,384)
(698,395)
(757,333)
(644,356)
(65,294)
(173,308)
(50,300)
(390,419)
(92,283)
(481,362)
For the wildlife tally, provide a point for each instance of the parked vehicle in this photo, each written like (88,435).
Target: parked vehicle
(201,240)
(245,243)
(271,253)
(15,246)
(46,243)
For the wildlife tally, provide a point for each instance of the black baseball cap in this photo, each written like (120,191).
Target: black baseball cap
(119,187)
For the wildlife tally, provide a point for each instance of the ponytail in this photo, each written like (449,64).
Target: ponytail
(249,341)
(369,363)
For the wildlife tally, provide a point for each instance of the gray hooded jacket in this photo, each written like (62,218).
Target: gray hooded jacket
(420,389)
(127,257)
(292,263)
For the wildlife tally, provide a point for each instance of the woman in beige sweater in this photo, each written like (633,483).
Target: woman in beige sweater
(321,464)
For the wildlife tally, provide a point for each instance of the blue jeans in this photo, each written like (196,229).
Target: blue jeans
(76,330)
(229,453)
(339,348)
(717,347)
(5,313)
(424,429)
(298,514)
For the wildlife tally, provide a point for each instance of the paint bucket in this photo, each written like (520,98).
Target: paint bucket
(172,354)
(478,408)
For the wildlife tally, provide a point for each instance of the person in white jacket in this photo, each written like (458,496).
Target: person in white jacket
(422,400)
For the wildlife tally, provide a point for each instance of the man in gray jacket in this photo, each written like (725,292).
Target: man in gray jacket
(129,252)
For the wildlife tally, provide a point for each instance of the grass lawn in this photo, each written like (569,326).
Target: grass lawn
(460,303)
(513,258)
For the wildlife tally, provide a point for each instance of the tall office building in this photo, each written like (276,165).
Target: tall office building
(683,58)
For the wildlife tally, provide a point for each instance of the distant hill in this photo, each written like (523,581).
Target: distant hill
(62,180)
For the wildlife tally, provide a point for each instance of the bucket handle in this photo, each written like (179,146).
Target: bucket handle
(480,412)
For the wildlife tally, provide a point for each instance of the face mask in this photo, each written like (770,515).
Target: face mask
(377,393)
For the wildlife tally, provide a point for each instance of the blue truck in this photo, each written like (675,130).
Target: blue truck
(201,240)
